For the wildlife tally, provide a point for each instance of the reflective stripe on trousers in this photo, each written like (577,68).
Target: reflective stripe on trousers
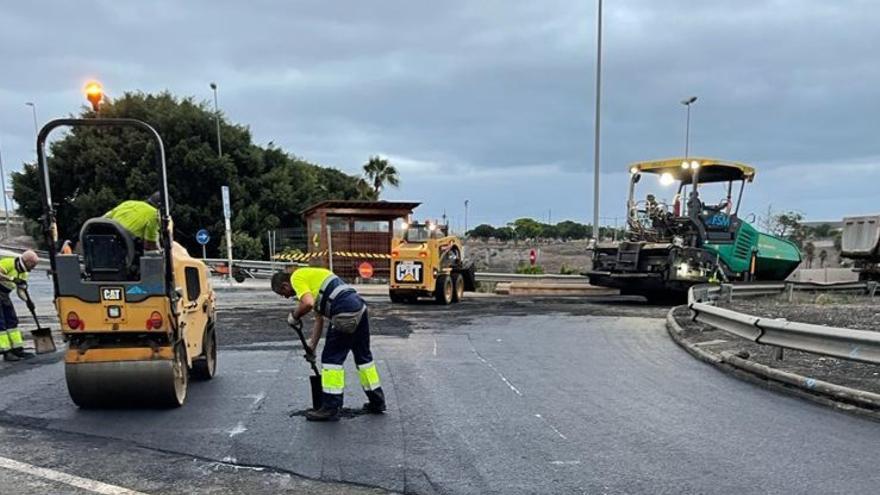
(369,376)
(15,338)
(5,343)
(332,378)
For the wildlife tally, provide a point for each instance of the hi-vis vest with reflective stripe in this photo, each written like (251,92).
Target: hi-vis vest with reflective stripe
(8,267)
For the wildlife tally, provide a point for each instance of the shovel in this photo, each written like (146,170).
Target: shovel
(43,341)
(314,380)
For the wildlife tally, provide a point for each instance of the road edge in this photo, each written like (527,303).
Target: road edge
(827,394)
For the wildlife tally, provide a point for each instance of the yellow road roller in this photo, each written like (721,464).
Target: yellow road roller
(137,323)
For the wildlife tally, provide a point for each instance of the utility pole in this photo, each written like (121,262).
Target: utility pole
(598,121)
(466,202)
(217,120)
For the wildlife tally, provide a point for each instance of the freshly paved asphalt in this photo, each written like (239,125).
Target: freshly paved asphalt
(491,396)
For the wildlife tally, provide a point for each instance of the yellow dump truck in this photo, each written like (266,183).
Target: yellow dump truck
(427,262)
(137,323)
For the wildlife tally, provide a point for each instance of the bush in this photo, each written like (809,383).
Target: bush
(567,270)
(527,269)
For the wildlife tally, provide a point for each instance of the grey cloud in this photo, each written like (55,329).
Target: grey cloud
(496,86)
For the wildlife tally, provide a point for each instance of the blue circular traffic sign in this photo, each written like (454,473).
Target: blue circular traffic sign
(202,237)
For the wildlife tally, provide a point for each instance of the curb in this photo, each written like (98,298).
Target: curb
(828,394)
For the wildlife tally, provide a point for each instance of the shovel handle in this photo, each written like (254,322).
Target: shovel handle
(298,327)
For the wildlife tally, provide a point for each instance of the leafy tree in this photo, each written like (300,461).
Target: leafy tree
(526,228)
(244,247)
(549,231)
(379,172)
(93,169)
(823,255)
(822,231)
(483,231)
(505,234)
(572,230)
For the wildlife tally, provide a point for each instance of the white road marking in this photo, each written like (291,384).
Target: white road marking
(493,368)
(237,429)
(565,463)
(551,427)
(257,398)
(710,342)
(435,346)
(67,479)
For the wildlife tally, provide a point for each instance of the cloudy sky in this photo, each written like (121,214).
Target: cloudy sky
(490,101)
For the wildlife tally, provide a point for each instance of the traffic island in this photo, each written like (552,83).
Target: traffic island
(845,385)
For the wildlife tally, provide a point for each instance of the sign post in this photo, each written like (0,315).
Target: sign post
(203,237)
(227,213)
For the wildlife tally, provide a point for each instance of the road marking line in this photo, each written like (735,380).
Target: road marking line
(67,479)
(710,342)
(237,429)
(435,346)
(503,378)
(565,463)
(551,427)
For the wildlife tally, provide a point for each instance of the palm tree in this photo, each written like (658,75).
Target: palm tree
(365,191)
(379,172)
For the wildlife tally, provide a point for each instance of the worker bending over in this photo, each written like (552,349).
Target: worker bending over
(320,290)
(140,219)
(13,276)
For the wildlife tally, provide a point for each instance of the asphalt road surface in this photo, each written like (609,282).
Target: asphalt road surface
(495,395)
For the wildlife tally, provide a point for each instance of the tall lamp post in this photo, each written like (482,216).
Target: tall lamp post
(34,113)
(466,202)
(598,113)
(687,126)
(217,120)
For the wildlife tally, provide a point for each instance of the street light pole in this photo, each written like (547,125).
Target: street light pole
(3,185)
(466,202)
(598,120)
(34,112)
(217,120)
(687,127)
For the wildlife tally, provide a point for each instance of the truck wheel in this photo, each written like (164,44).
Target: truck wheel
(458,287)
(444,291)
(205,366)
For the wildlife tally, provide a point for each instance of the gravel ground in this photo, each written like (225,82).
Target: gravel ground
(852,374)
(839,310)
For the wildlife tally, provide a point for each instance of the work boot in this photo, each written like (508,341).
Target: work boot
(374,407)
(323,414)
(376,404)
(23,354)
(9,357)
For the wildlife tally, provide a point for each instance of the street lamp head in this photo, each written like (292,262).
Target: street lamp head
(29,103)
(688,101)
(214,86)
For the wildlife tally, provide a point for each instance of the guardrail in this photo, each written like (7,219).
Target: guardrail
(843,343)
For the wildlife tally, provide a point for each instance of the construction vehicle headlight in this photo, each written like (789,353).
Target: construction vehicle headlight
(114,311)
(677,241)
(666,179)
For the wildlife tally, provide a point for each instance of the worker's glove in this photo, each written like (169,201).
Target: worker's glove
(293,321)
(310,356)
